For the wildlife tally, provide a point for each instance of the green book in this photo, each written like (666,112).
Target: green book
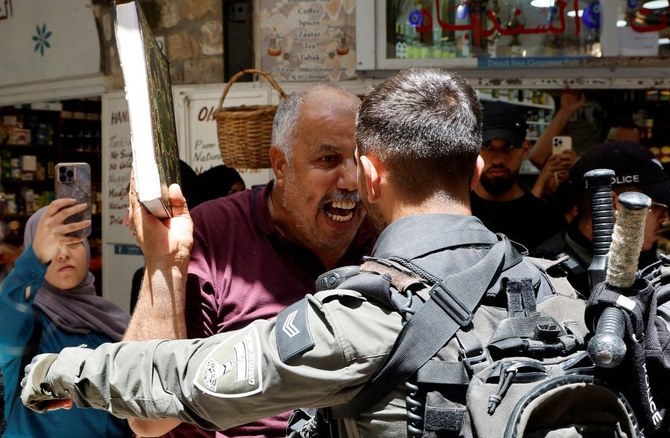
(148,88)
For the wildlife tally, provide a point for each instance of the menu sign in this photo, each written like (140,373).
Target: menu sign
(308,40)
(117,165)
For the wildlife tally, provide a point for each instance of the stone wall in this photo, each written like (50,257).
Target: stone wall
(193,35)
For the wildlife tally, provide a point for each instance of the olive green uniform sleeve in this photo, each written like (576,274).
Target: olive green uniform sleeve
(237,377)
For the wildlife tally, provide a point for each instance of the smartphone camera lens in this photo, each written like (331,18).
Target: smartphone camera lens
(65,174)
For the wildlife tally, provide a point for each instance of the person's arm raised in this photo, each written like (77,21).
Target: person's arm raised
(159,312)
(166,245)
(571,102)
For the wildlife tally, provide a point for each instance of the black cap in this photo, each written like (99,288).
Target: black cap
(506,121)
(632,163)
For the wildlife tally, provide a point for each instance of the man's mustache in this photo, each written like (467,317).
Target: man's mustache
(342,196)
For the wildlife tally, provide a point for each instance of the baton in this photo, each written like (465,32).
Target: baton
(607,348)
(599,183)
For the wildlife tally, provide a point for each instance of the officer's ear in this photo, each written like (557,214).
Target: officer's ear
(371,176)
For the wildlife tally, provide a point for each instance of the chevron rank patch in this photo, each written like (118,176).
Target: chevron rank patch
(292,331)
(233,369)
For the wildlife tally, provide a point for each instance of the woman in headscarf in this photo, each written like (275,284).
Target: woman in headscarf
(48,302)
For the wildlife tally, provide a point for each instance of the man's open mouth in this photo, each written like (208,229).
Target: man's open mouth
(340,211)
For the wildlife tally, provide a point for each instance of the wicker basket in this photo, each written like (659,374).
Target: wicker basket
(245,132)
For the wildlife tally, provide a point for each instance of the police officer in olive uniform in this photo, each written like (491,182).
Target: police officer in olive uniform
(418,139)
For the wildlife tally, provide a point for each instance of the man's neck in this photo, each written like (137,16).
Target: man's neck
(396,208)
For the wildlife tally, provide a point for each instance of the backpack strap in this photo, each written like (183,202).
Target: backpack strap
(418,341)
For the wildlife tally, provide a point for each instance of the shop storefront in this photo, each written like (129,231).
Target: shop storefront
(524,52)
(554,40)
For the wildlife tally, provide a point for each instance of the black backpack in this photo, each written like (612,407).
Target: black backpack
(508,359)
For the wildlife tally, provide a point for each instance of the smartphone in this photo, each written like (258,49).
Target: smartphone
(73,180)
(560,143)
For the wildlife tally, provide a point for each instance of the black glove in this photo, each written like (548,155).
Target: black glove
(37,389)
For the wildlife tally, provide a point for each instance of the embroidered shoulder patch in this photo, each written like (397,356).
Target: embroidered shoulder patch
(292,331)
(233,369)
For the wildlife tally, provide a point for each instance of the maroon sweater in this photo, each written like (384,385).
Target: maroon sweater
(241,270)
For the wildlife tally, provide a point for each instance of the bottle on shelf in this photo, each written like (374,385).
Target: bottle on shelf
(649,129)
(401,43)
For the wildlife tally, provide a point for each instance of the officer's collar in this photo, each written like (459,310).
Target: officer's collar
(416,236)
